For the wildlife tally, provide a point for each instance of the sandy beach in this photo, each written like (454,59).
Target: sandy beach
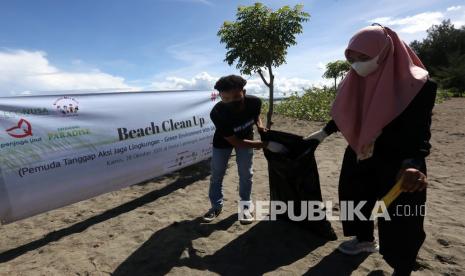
(155,228)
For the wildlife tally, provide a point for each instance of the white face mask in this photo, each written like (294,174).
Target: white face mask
(364,68)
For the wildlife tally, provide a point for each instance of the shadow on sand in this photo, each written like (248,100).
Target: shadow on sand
(184,178)
(265,247)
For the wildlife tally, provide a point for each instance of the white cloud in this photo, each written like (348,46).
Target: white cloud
(24,71)
(457,15)
(381,20)
(284,86)
(412,24)
(454,8)
(415,26)
(191,57)
(204,81)
(321,65)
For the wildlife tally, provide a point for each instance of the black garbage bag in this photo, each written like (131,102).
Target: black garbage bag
(293,177)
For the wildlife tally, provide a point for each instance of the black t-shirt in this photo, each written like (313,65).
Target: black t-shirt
(229,123)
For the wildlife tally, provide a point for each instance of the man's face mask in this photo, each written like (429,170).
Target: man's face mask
(234,105)
(233,101)
(365,68)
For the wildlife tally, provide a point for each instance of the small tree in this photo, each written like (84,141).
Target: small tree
(259,38)
(336,69)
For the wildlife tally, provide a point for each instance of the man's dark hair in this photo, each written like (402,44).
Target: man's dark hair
(231,82)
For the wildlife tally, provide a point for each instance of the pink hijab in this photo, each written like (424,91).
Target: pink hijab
(364,106)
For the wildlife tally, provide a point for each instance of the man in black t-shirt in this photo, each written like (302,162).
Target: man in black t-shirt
(234,118)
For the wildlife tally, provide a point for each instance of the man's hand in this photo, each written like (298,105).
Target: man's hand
(413,180)
(262,129)
(245,143)
(260,126)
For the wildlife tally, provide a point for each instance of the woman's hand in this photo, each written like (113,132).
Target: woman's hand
(319,136)
(413,180)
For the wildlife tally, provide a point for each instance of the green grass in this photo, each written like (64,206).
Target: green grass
(443,95)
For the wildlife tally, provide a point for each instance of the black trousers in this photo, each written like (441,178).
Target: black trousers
(401,237)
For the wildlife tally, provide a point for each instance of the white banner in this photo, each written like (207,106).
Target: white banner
(57,150)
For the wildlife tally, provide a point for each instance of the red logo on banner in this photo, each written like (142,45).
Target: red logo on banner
(23,129)
(213,96)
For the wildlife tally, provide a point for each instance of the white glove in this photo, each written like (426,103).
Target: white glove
(319,135)
(276,147)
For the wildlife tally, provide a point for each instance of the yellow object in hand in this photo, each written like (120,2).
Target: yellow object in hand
(393,193)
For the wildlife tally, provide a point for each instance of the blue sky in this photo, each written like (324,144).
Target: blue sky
(52,45)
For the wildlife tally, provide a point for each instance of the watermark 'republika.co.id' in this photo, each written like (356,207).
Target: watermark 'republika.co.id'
(316,210)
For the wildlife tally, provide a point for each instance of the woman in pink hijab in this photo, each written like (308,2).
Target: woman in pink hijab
(383,109)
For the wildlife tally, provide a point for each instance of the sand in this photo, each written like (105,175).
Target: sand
(154,228)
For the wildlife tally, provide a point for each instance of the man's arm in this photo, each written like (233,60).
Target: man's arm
(259,125)
(244,143)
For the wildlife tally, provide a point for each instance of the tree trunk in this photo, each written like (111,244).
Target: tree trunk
(271,99)
(335,83)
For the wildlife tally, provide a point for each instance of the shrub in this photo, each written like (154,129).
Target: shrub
(313,105)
